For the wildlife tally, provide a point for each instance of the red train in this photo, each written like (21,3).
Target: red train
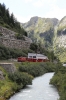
(33,57)
(25,59)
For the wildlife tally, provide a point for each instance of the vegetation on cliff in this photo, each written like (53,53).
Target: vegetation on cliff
(62,25)
(60,53)
(38,48)
(8,53)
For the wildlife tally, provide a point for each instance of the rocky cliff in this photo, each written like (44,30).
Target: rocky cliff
(61,33)
(9,67)
(8,39)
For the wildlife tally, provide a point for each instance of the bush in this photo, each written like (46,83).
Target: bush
(7,53)
(59,80)
(21,78)
(36,69)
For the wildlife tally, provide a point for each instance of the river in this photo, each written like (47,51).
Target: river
(39,90)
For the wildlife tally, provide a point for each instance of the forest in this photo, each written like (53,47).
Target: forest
(9,21)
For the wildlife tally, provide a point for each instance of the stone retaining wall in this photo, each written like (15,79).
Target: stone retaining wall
(14,43)
(9,67)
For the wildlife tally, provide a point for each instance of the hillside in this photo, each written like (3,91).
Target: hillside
(9,21)
(59,43)
(13,39)
(41,30)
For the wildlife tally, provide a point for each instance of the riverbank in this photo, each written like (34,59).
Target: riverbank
(39,90)
(24,76)
(59,81)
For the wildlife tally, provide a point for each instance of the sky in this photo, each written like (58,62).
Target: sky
(23,10)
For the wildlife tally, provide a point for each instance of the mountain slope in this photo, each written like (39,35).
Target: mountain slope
(59,43)
(50,32)
(41,30)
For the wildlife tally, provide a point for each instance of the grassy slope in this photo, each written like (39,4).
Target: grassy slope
(6,86)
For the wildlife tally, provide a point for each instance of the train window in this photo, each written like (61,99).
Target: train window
(34,56)
(30,56)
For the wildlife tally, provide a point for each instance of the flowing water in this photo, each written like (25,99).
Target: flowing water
(39,90)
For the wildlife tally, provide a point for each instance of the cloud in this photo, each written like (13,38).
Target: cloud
(47,8)
(27,1)
(38,3)
(56,12)
(22,19)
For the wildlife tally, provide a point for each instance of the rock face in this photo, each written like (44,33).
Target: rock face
(9,67)
(14,43)
(59,42)
(1,75)
(8,39)
(41,29)
(61,33)
(60,39)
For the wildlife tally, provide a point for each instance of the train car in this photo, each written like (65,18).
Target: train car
(33,57)
(22,59)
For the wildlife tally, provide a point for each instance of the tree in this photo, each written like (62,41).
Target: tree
(12,19)
(9,21)
(34,47)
